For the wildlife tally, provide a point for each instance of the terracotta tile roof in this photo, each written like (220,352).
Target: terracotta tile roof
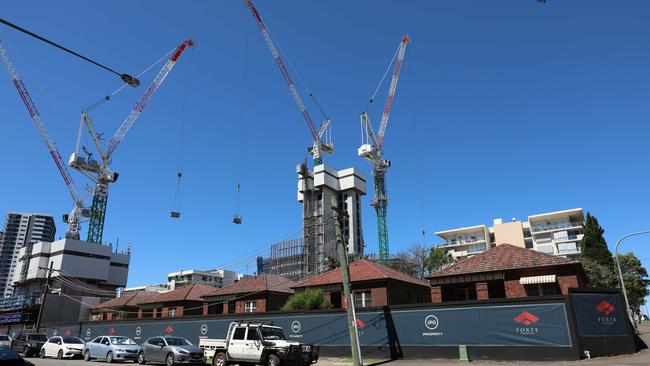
(500,258)
(361,270)
(191,292)
(265,282)
(131,298)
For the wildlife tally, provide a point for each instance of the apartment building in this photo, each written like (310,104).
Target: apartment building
(21,229)
(213,277)
(557,233)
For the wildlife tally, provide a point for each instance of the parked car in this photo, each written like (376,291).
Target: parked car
(170,350)
(261,344)
(5,340)
(111,348)
(28,343)
(62,347)
(9,357)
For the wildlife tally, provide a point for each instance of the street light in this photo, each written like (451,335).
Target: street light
(620,273)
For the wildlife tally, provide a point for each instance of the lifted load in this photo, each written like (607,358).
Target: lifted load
(262,344)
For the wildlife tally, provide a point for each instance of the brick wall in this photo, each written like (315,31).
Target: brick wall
(179,311)
(379,296)
(514,289)
(205,309)
(165,312)
(567,282)
(482,292)
(436,294)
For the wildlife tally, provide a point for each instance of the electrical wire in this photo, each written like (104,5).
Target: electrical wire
(130,80)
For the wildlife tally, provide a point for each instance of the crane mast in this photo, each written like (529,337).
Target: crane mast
(74,218)
(104,175)
(372,149)
(319,146)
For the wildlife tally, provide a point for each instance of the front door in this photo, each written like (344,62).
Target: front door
(237,347)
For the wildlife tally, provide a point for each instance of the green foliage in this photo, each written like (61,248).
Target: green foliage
(599,275)
(635,277)
(593,246)
(438,258)
(310,299)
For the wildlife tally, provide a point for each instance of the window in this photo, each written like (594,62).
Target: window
(97,340)
(155,341)
(172,312)
(253,334)
(250,306)
(466,293)
(239,333)
(541,289)
(362,299)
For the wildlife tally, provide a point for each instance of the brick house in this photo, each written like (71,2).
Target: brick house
(266,292)
(123,307)
(185,300)
(373,285)
(506,271)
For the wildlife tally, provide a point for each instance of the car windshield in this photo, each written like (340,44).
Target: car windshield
(178,342)
(72,340)
(270,333)
(7,353)
(121,340)
(37,337)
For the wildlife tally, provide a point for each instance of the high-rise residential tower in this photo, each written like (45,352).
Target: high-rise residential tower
(315,191)
(21,229)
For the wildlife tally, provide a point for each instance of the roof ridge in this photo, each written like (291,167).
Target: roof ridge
(372,265)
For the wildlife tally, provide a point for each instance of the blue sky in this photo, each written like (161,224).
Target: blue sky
(504,109)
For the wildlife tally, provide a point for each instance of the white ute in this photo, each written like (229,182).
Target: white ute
(257,343)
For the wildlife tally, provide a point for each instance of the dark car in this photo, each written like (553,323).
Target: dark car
(9,357)
(28,344)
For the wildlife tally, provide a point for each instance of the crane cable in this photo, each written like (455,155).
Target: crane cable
(383,78)
(176,202)
(128,79)
(108,97)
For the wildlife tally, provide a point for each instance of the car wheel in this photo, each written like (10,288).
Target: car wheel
(219,359)
(169,360)
(273,360)
(87,355)
(42,353)
(109,357)
(141,359)
(26,352)
(60,354)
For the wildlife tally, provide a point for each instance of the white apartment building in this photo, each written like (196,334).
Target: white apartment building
(214,277)
(557,233)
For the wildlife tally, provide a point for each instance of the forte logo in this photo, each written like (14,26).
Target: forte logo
(527,319)
(605,307)
(68,332)
(169,330)
(112,331)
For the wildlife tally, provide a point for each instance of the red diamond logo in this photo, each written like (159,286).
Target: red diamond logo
(67,332)
(169,329)
(526,318)
(360,324)
(605,307)
(112,331)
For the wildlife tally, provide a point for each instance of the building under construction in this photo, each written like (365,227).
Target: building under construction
(315,191)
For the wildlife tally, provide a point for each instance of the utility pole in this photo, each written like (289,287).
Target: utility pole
(46,288)
(343,257)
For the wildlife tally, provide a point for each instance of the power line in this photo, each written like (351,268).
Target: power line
(134,82)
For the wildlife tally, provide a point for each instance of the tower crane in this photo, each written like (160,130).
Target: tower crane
(100,172)
(78,210)
(372,149)
(321,137)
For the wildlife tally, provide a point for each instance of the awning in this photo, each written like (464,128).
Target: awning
(537,279)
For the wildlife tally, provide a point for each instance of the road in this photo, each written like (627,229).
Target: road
(639,359)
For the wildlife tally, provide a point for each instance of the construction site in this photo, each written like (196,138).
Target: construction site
(240,181)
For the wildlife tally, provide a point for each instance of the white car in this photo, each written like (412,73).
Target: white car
(5,340)
(62,347)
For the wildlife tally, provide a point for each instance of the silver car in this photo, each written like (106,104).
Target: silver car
(111,348)
(170,350)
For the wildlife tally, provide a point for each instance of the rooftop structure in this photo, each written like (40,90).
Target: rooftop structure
(557,233)
(213,277)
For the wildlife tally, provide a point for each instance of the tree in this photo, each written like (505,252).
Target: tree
(419,254)
(438,258)
(402,262)
(593,245)
(599,275)
(310,299)
(636,280)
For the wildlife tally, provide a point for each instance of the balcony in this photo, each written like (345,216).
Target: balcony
(457,242)
(555,226)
